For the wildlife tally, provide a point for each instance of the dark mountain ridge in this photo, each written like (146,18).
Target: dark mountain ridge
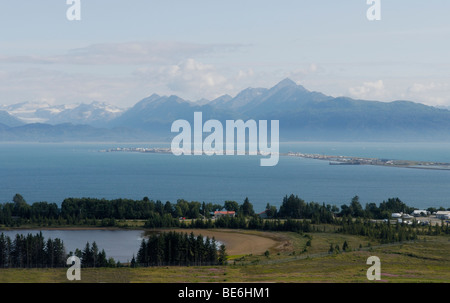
(302,114)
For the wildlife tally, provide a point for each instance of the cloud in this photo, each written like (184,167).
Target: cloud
(302,73)
(369,90)
(117,72)
(245,74)
(189,78)
(431,93)
(49,85)
(425,87)
(129,53)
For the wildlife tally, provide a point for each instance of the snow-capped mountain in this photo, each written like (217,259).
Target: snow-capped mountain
(33,112)
(95,113)
(302,115)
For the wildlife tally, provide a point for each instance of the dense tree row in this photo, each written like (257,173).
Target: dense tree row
(295,208)
(31,251)
(181,249)
(91,211)
(385,233)
(294,214)
(254,222)
(91,256)
(372,211)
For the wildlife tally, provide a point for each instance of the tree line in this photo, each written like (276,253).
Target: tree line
(92,256)
(169,248)
(31,251)
(294,214)
(91,211)
(180,249)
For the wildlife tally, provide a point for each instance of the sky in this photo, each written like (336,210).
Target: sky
(123,51)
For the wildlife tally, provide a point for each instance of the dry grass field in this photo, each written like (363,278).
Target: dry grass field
(255,256)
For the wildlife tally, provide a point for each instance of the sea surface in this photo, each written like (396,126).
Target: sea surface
(54,171)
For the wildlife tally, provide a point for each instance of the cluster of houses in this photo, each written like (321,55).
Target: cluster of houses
(218,214)
(406,218)
(401,217)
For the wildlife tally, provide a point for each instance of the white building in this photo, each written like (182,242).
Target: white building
(218,214)
(419,213)
(443,215)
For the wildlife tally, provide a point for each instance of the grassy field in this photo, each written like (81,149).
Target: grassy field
(291,258)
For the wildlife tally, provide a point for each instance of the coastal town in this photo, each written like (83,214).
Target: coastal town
(158,150)
(346,160)
(333,159)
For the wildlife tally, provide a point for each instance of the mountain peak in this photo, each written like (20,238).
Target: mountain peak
(286,83)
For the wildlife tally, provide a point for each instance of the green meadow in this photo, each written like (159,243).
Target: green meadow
(296,258)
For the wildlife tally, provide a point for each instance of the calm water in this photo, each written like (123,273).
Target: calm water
(51,172)
(118,244)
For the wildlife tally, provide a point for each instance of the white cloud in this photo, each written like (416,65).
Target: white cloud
(369,90)
(245,74)
(431,93)
(54,86)
(129,53)
(189,78)
(300,74)
(434,93)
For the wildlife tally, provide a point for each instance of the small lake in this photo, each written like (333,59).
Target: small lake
(118,244)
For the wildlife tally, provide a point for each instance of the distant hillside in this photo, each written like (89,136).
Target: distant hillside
(95,113)
(303,115)
(8,120)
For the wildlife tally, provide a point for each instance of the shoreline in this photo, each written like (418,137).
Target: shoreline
(333,160)
(70,228)
(237,242)
(351,160)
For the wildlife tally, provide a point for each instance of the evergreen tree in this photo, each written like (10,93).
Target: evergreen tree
(345,246)
(87,259)
(247,208)
(222,255)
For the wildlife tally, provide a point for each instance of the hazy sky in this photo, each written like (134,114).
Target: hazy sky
(122,51)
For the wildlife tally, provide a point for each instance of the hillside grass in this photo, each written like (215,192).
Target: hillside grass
(292,261)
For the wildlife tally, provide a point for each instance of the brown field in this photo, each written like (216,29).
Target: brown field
(240,242)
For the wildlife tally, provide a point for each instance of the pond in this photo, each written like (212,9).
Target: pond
(118,244)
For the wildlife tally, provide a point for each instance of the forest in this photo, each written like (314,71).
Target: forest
(85,210)
(31,251)
(34,251)
(294,214)
(180,249)
(162,249)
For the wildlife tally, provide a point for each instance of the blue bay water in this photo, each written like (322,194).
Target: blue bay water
(121,245)
(54,171)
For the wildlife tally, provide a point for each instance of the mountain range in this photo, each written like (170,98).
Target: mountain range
(303,115)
